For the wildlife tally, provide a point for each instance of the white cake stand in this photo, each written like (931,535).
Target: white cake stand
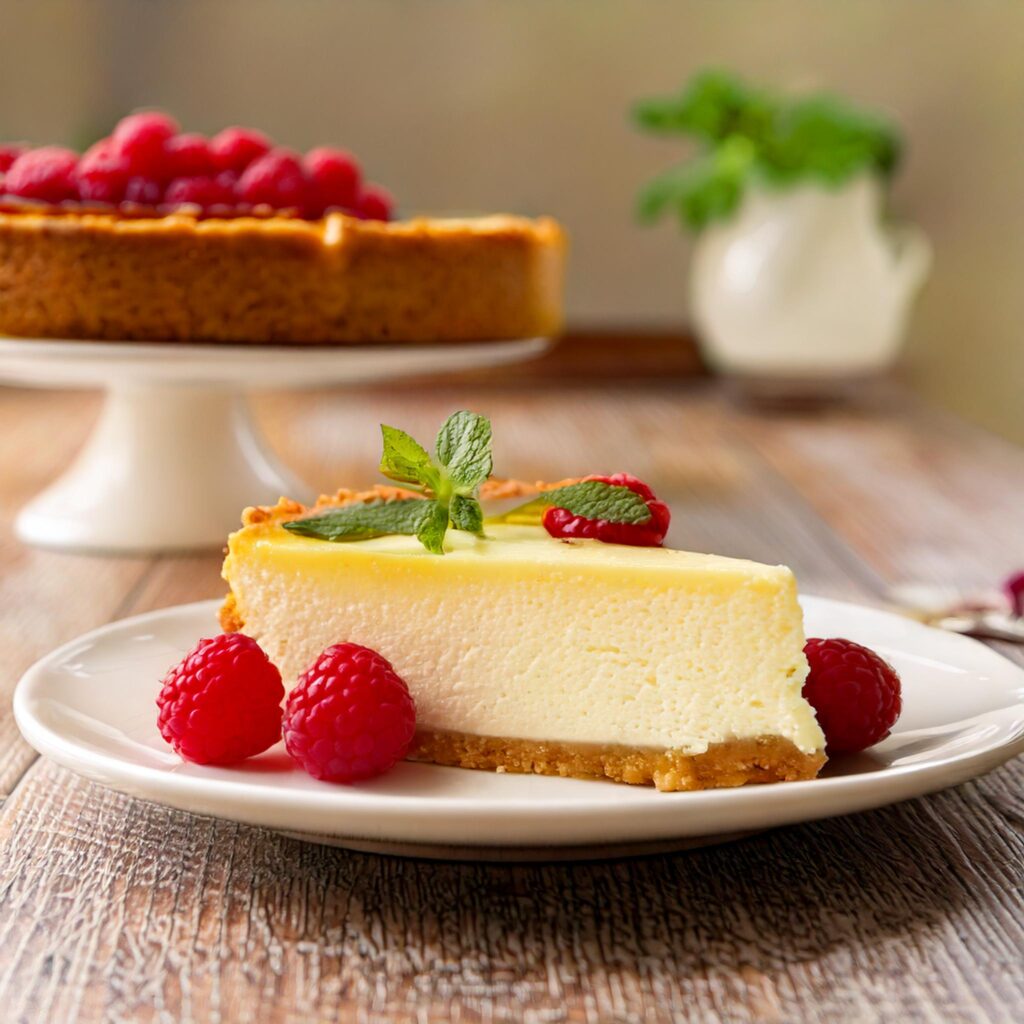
(175,455)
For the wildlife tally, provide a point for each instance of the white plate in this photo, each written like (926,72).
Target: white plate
(90,707)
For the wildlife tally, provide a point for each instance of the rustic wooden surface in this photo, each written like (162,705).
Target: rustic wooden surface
(116,910)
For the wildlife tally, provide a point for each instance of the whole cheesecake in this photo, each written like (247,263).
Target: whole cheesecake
(527,653)
(154,234)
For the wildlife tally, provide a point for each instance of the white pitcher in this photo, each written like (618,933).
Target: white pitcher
(806,282)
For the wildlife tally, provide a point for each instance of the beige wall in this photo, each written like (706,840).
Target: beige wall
(520,104)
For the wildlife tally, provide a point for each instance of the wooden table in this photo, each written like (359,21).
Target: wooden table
(116,910)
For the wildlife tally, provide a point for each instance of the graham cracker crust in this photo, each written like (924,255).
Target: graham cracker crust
(732,763)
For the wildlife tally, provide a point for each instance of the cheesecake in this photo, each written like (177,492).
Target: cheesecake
(526,652)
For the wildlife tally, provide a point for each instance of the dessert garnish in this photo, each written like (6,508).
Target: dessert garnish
(350,716)
(618,509)
(222,702)
(148,167)
(856,694)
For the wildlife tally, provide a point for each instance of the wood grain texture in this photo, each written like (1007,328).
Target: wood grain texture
(113,909)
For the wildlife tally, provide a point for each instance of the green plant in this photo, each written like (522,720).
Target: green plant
(749,134)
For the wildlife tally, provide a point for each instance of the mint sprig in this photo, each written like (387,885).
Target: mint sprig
(449,482)
(591,499)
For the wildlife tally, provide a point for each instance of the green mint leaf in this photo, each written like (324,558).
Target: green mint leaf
(594,499)
(466,514)
(464,450)
(405,459)
(363,521)
(433,527)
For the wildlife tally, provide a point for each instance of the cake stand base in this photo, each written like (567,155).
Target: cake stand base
(175,456)
(165,469)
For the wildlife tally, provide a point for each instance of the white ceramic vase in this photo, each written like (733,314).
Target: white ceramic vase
(806,283)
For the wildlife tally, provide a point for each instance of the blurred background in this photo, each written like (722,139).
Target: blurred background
(522,105)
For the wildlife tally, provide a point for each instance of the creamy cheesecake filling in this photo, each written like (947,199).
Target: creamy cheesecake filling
(523,636)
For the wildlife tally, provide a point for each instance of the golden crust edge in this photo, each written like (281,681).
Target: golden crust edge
(737,762)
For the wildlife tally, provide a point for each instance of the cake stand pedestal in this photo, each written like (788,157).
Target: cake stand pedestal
(175,455)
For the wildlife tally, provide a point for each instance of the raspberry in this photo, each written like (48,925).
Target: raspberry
(560,522)
(144,191)
(375,203)
(350,716)
(142,139)
(276,180)
(102,173)
(9,152)
(1013,588)
(47,173)
(188,156)
(854,693)
(334,176)
(234,149)
(203,192)
(222,702)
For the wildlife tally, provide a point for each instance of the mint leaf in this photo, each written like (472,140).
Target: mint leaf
(363,521)
(464,450)
(594,499)
(405,459)
(467,514)
(432,528)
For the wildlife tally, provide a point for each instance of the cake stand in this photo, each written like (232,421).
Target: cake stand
(175,455)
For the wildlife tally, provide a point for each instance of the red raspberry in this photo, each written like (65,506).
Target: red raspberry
(47,173)
(203,192)
(222,702)
(9,152)
(335,178)
(276,179)
(188,156)
(854,693)
(142,139)
(234,149)
(560,522)
(144,191)
(350,716)
(102,173)
(375,203)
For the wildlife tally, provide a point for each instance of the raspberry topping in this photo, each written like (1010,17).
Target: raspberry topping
(222,702)
(275,179)
(234,149)
(47,173)
(560,522)
(144,191)
(350,716)
(102,173)
(204,192)
(375,203)
(142,139)
(855,694)
(334,177)
(9,152)
(188,156)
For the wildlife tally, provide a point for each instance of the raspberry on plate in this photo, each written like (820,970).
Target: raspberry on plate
(102,173)
(334,176)
(233,149)
(375,203)
(855,694)
(144,191)
(560,522)
(142,139)
(199,191)
(350,716)
(276,179)
(222,702)
(47,173)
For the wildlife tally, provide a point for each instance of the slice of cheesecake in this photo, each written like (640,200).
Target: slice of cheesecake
(526,653)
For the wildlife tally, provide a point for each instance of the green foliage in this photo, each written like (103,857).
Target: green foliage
(747,134)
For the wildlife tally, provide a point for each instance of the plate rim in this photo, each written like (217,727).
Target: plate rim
(247,794)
